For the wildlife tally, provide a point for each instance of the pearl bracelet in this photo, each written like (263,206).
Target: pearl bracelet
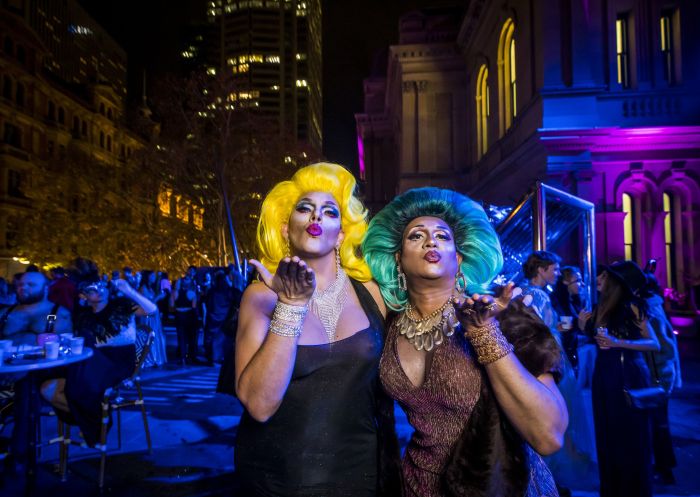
(488,342)
(288,320)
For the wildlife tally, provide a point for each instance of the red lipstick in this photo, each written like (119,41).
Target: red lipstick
(432,256)
(314,230)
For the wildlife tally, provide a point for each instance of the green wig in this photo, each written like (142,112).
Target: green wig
(475,239)
(278,205)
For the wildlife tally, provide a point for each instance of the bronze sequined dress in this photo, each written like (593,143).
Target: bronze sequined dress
(439,410)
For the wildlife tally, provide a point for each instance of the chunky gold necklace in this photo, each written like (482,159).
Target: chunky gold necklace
(426,333)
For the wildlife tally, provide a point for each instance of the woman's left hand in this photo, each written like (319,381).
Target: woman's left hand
(478,309)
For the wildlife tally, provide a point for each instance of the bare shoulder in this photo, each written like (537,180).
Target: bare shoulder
(258,298)
(376,294)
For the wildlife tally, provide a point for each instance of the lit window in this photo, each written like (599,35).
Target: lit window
(669,218)
(628,225)
(301,83)
(198,217)
(482,110)
(669,46)
(622,51)
(506,75)
(182,208)
(164,200)
(301,56)
(272,59)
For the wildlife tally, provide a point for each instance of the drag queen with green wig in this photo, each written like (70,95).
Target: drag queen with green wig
(475,374)
(316,421)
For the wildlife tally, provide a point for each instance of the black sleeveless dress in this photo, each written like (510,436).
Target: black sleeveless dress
(323,439)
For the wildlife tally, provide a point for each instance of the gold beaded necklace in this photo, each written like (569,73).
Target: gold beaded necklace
(426,333)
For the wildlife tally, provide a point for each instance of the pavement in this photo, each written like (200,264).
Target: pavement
(193,431)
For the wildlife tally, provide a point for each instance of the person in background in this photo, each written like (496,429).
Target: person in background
(227,375)
(184,300)
(109,328)
(569,299)
(167,289)
(621,329)
(150,288)
(62,290)
(34,313)
(8,296)
(130,277)
(665,368)
(218,301)
(576,461)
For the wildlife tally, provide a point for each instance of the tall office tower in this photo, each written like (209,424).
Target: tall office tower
(81,51)
(273,47)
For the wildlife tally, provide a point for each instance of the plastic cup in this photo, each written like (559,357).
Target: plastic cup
(51,350)
(76,345)
(566,322)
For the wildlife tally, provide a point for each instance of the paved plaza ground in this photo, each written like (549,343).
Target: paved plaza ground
(194,429)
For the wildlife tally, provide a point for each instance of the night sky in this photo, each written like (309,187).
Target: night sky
(356,34)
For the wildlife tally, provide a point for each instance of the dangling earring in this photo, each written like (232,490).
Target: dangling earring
(288,251)
(337,259)
(401,278)
(460,283)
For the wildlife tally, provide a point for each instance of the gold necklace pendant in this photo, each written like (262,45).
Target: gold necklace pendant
(428,332)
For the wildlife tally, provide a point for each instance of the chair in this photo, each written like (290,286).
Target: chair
(112,401)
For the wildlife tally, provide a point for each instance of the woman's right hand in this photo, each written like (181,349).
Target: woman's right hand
(583,318)
(293,282)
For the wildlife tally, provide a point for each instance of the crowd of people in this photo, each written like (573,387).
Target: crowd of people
(350,316)
(115,314)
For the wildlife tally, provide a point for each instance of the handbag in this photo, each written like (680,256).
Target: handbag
(644,398)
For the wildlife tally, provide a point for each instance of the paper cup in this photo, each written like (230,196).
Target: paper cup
(76,345)
(566,322)
(51,350)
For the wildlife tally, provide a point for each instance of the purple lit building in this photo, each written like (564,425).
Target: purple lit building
(598,98)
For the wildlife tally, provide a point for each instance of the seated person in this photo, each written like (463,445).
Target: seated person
(34,313)
(109,327)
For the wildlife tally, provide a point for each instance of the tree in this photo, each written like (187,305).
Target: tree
(82,205)
(216,145)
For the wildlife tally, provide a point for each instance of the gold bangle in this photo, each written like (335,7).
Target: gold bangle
(488,342)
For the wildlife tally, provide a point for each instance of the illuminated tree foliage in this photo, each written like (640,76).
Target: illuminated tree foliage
(82,206)
(215,139)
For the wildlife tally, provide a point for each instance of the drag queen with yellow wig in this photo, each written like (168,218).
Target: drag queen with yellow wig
(309,339)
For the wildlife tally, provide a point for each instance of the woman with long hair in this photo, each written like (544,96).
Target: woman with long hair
(307,349)
(623,433)
(477,408)
(150,288)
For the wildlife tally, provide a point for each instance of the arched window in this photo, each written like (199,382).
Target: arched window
(109,143)
(482,111)
(102,109)
(628,226)
(52,111)
(102,139)
(7,87)
(109,113)
(20,94)
(21,54)
(8,47)
(61,115)
(507,75)
(671,212)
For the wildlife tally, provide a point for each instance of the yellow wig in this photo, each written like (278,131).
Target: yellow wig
(278,204)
